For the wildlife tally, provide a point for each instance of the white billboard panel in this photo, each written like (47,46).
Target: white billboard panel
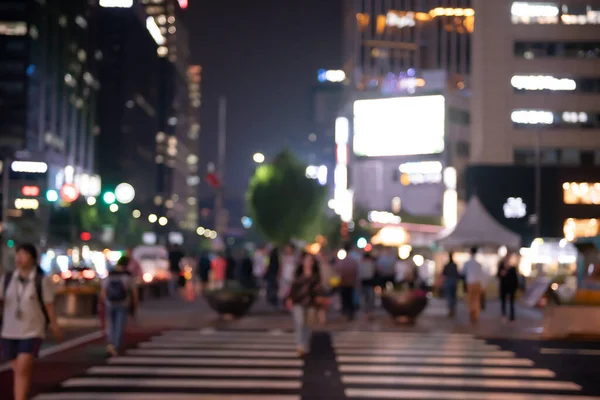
(399,126)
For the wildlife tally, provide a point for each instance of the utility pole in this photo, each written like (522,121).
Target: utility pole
(538,182)
(5,205)
(220,219)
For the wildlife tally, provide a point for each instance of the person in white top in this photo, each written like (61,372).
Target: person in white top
(473,273)
(287,271)
(28,309)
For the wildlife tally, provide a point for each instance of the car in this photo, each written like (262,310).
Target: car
(81,274)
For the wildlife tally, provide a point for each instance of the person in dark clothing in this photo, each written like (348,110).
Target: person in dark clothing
(231,266)
(271,278)
(245,272)
(348,269)
(175,256)
(451,278)
(509,283)
(204,269)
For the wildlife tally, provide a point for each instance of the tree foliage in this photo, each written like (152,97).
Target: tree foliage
(283,203)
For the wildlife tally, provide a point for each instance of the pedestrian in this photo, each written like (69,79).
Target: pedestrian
(204,270)
(271,278)
(246,271)
(219,270)
(259,265)
(327,273)
(288,268)
(303,298)
(402,274)
(27,298)
(230,272)
(175,255)
(367,284)
(347,268)
(119,294)
(386,263)
(450,281)
(473,272)
(134,267)
(509,283)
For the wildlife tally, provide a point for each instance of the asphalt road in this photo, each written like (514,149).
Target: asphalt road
(247,365)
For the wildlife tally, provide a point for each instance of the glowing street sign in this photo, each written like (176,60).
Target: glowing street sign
(116,3)
(27,204)
(154,31)
(30,191)
(69,193)
(124,193)
(32,167)
(542,82)
(514,208)
(332,75)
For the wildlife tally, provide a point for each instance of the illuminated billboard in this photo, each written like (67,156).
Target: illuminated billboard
(399,126)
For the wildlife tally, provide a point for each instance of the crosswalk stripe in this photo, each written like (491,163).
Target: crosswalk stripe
(461,382)
(417,345)
(407,339)
(436,360)
(426,352)
(445,370)
(216,345)
(205,361)
(453,395)
(215,339)
(212,353)
(581,352)
(229,333)
(174,371)
(396,334)
(161,396)
(183,383)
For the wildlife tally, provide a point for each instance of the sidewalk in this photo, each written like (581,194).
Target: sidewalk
(528,324)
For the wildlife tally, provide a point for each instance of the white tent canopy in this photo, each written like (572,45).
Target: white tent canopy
(478,228)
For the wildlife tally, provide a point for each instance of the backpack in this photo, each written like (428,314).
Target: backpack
(115,290)
(39,278)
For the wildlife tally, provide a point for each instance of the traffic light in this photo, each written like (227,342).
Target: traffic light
(10,243)
(109,197)
(85,236)
(52,196)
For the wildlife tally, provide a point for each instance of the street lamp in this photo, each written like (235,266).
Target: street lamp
(162,221)
(124,193)
(259,158)
(91,201)
(113,208)
(152,218)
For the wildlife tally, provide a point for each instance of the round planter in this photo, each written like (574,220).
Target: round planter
(231,302)
(408,305)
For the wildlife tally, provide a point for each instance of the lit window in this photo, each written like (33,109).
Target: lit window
(192,159)
(534,13)
(10,28)
(171,19)
(532,117)
(575,117)
(162,51)
(172,30)
(79,20)
(580,15)
(541,82)
(161,19)
(116,3)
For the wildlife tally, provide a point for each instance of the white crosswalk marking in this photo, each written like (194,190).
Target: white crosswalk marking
(209,364)
(437,366)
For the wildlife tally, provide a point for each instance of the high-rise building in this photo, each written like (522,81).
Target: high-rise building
(48,95)
(177,138)
(404,124)
(128,102)
(535,114)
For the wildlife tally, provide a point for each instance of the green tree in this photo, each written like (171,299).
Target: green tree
(283,203)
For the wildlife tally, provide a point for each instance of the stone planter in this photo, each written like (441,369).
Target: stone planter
(77,302)
(574,320)
(233,302)
(406,305)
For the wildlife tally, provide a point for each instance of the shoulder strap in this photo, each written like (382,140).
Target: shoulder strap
(39,278)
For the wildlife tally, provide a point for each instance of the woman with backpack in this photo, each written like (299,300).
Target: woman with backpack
(118,294)
(28,310)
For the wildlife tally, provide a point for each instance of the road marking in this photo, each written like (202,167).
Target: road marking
(206,361)
(432,370)
(512,362)
(182,383)
(216,345)
(461,382)
(404,334)
(212,353)
(580,352)
(454,395)
(160,396)
(174,371)
(272,339)
(69,344)
(228,333)
(417,345)
(426,352)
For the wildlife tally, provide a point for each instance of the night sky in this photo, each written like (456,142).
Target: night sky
(263,55)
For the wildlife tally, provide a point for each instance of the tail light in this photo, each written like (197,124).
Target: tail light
(88,274)
(66,275)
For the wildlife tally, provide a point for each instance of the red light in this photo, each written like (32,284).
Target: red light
(183,3)
(85,236)
(30,191)
(69,193)
(368,247)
